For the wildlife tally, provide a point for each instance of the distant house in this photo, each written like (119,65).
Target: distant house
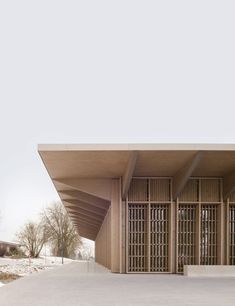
(6,248)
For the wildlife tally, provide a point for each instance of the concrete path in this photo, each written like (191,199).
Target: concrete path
(84,284)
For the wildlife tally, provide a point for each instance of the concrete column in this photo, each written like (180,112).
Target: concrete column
(123,238)
(116,203)
(103,243)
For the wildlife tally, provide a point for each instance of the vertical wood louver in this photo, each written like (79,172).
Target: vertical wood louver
(197,225)
(186,235)
(148,207)
(159,237)
(231,234)
(137,237)
(208,247)
(198,222)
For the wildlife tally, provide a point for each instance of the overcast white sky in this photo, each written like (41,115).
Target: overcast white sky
(107,71)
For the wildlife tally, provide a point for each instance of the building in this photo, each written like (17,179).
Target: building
(150,207)
(7,248)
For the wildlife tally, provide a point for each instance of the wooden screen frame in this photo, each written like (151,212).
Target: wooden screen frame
(230,256)
(171,213)
(222,225)
(220,216)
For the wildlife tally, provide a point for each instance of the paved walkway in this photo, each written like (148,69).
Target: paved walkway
(83,284)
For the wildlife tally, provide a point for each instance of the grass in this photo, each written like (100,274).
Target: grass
(17,256)
(8,277)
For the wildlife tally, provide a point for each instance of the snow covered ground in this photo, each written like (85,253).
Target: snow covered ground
(27,266)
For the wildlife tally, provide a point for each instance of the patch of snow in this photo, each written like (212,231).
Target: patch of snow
(26,266)
(1,284)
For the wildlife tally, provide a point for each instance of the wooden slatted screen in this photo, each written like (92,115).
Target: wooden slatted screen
(198,222)
(190,192)
(159,237)
(210,190)
(137,237)
(209,223)
(186,235)
(160,190)
(187,224)
(139,190)
(232,234)
(148,207)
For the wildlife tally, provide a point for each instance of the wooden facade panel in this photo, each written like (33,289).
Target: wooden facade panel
(198,225)
(209,234)
(148,225)
(103,243)
(186,235)
(154,242)
(211,190)
(108,240)
(231,234)
(205,197)
(159,238)
(137,237)
(116,203)
(232,197)
(138,190)
(190,192)
(160,190)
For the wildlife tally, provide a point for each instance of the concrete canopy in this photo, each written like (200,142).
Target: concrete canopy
(82,173)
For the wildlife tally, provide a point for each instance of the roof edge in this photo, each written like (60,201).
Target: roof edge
(137,147)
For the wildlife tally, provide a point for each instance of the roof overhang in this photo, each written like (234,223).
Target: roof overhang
(82,173)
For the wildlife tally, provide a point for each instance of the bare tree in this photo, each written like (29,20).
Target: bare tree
(32,236)
(62,234)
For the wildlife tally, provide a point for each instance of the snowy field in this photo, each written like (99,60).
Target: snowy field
(25,266)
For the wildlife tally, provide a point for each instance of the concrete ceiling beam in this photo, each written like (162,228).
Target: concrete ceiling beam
(127,177)
(97,187)
(181,177)
(85,206)
(87,198)
(81,218)
(84,213)
(228,184)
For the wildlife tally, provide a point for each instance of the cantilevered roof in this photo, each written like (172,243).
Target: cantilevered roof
(82,173)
